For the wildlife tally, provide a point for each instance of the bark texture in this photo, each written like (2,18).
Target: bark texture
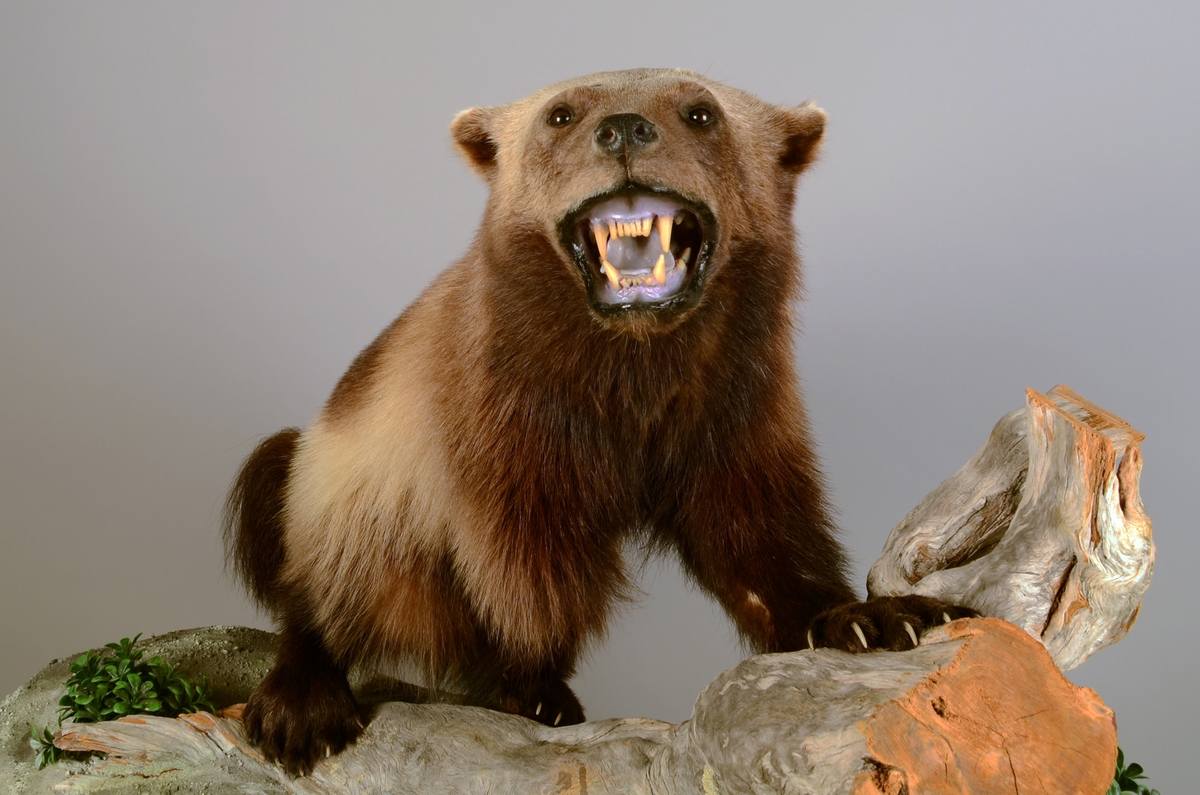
(1044,528)
(979,707)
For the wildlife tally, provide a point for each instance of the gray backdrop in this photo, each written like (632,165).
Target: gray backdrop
(207,209)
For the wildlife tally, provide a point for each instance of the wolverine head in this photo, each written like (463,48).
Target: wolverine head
(644,180)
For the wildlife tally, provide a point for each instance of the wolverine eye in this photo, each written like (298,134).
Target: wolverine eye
(560,116)
(700,116)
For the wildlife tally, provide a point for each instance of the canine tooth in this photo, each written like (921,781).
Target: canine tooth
(601,235)
(660,269)
(683,258)
(611,273)
(664,233)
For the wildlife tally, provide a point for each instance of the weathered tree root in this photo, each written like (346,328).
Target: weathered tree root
(1044,528)
(979,707)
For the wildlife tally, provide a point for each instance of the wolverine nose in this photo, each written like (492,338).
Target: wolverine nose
(625,132)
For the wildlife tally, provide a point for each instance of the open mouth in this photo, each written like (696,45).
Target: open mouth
(641,249)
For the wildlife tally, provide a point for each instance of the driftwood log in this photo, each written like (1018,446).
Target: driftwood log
(979,707)
(1043,528)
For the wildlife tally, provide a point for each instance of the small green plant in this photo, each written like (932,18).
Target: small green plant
(43,742)
(116,682)
(1126,778)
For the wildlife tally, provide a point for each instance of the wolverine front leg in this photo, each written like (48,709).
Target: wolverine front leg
(525,685)
(543,696)
(303,710)
(755,532)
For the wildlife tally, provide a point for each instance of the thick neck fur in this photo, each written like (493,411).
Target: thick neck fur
(543,335)
(618,407)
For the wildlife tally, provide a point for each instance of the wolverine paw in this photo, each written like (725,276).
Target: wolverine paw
(893,623)
(297,718)
(552,703)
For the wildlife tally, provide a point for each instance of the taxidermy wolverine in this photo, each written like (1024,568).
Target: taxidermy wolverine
(611,357)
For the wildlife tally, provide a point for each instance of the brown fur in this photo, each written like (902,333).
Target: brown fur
(461,501)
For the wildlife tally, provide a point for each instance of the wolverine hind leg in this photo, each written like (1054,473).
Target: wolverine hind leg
(303,710)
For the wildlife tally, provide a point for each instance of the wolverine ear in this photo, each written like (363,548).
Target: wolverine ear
(803,127)
(473,135)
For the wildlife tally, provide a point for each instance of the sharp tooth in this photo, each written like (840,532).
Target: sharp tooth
(611,273)
(660,269)
(664,233)
(683,258)
(601,234)
(624,283)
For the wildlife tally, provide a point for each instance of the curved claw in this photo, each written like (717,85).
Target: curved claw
(946,617)
(810,640)
(912,634)
(558,719)
(858,631)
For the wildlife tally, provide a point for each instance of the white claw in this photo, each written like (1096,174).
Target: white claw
(538,711)
(558,719)
(946,617)
(911,633)
(810,643)
(858,631)
(328,752)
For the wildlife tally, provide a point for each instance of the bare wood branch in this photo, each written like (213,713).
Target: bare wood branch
(1044,528)
(979,707)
